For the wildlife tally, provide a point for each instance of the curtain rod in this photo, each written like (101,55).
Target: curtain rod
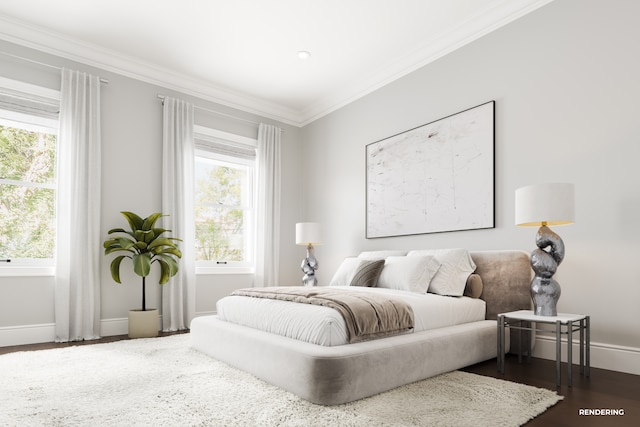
(161,97)
(33,61)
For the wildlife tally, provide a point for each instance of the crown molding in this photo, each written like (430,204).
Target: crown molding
(498,14)
(55,44)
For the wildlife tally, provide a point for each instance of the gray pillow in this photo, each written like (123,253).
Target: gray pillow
(367,273)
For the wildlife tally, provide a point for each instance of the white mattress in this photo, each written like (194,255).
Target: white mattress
(325,326)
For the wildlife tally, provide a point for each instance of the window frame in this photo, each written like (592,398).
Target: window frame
(29,267)
(203,133)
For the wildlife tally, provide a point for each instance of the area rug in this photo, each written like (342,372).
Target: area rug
(163,382)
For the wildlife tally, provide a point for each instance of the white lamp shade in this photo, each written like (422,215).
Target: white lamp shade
(308,233)
(552,204)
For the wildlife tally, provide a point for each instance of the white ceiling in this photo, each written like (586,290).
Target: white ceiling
(243,53)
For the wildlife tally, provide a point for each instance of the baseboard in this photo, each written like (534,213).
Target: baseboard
(604,356)
(35,334)
(119,326)
(27,334)
(116,326)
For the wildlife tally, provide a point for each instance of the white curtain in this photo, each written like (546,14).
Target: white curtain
(268,206)
(79,248)
(178,295)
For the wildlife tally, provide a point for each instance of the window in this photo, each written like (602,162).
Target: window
(224,201)
(28,136)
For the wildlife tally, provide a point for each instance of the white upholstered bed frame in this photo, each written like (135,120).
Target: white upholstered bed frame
(340,374)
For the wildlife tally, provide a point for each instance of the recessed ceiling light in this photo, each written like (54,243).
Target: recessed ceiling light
(303,54)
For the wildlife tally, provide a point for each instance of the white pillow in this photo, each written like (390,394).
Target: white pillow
(345,272)
(455,267)
(380,254)
(408,273)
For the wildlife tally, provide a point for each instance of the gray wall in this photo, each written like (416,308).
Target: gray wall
(566,83)
(132,149)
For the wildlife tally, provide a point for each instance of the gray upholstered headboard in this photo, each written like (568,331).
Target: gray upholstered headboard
(506,278)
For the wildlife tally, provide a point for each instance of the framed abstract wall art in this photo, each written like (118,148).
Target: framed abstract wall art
(434,178)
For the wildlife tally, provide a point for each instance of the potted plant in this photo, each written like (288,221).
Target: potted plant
(143,244)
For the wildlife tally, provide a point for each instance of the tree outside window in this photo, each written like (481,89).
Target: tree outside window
(27,191)
(223,210)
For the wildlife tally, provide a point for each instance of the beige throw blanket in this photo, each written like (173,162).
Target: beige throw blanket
(367,315)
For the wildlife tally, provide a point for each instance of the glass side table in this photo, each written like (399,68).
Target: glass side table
(566,324)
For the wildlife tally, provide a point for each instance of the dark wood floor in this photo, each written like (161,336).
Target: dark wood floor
(604,389)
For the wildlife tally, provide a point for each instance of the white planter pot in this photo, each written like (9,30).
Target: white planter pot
(143,324)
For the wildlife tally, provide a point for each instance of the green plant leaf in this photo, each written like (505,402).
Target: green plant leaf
(116,248)
(165,272)
(162,242)
(171,262)
(141,245)
(165,250)
(115,268)
(120,230)
(142,264)
(126,243)
(149,222)
(109,242)
(159,231)
(146,235)
(135,222)
(117,230)
(149,236)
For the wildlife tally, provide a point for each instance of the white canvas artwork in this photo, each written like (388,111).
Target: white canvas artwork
(434,178)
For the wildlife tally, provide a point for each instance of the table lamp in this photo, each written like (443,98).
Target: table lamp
(309,234)
(545,205)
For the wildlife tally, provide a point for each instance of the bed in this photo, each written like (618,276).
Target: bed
(322,368)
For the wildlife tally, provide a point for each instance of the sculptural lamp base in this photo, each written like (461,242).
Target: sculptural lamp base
(309,234)
(309,266)
(545,291)
(545,295)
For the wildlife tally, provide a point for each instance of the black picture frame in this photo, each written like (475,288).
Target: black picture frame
(438,177)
